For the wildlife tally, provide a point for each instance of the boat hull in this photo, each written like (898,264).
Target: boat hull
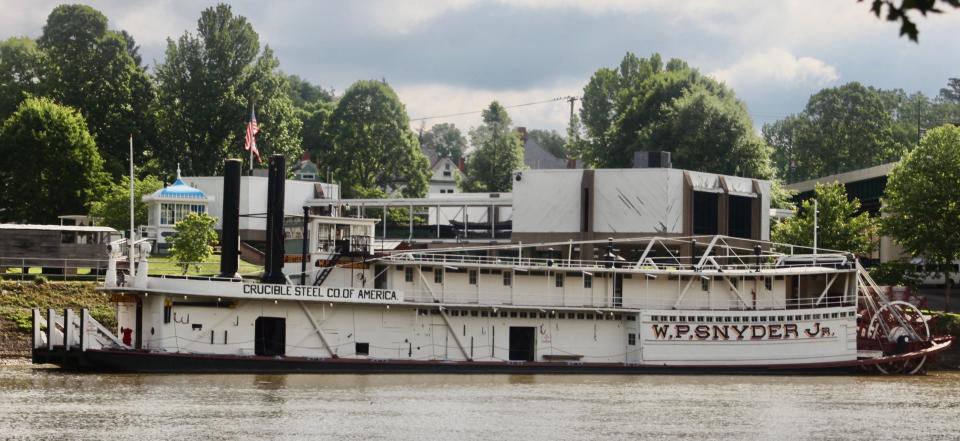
(154,362)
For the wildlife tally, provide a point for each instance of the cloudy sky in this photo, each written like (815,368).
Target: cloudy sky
(454,56)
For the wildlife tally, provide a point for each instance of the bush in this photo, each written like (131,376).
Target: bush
(39,280)
(945,324)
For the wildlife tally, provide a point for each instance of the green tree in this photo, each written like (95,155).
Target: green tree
(498,152)
(840,224)
(303,93)
(921,206)
(315,118)
(446,140)
(373,146)
(112,206)
(193,242)
(550,140)
(840,129)
(49,164)
(206,86)
(21,72)
(648,105)
(93,70)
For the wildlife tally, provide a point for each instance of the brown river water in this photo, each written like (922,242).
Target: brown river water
(40,403)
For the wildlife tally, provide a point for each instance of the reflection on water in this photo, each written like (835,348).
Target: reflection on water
(42,403)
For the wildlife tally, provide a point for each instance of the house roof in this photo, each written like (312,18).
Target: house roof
(537,157)
(179,190)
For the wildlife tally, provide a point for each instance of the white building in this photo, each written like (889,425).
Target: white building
(253,200)
(169,205)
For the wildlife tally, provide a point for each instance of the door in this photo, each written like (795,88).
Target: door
(522,343)
(270,336)
(617,290)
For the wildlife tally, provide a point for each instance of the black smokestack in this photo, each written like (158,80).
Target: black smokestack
(273,272)
(230,220)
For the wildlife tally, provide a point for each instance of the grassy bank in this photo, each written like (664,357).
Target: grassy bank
(18,299)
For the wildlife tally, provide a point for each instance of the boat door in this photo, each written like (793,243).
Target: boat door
(522,343)
(270,336)
(617,290)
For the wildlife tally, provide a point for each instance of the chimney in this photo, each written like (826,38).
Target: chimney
(230,220)
(462,164)
(523,133)
(273,270)
(305,156)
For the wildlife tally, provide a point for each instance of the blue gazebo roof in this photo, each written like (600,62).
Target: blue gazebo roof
(179,190)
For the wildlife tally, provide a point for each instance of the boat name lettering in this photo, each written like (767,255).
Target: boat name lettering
(354,294)
(779,331)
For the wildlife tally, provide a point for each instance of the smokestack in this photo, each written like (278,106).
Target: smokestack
(230,219)
(273,271)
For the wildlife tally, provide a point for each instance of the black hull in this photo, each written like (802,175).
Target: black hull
(151,362)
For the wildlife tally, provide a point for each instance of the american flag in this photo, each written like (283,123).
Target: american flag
(252,129)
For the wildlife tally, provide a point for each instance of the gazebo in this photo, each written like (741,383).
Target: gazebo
(169,205)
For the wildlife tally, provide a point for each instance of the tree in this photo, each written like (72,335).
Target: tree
(302,93)
(113,205)
(840,224)
(96,71)
(206,87)
(648,105)
(193,242)
(21,72)
(373,146)
(550,140)
(899,12)
(921,202)
(840,129)
(498,152)
(446,140)
(49,164)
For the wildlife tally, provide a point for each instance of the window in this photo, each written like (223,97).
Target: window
(362,349)
(507,278)
(446,173)
(768,283)
(705,283)
(408,275)
(632,339)
(438,275)
(473,277)
(740,216)
(705,207)
(170,214)
(558,280)
(587,281)
(308,176)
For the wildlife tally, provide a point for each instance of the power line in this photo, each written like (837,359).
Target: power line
(474,112)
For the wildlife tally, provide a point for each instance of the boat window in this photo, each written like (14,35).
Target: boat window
(816,316)
(503,314)
(683,319)
(580,316)
(558,280)
(473,277)
(563,315)
(673,318)
(754,319)
(632,339)
(437,275)
(806,316)
(705,283)
(408,274)
(780,318)
(362,349)
(473,313)
(513,314)
(507,278)
(617,317)
(587,281)
(736,319)
(834,315)
(768,283)
(523,314)
(709,319)
(631,318)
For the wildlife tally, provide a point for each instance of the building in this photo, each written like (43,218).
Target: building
(536,157)
(444,173)
(305,169)
(169,205)
(253,200)
(57,249)
(578,204)
(868,185)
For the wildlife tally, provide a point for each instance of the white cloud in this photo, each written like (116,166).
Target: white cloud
(426,100)
(777,65)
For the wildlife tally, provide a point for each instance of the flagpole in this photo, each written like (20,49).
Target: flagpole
(130,262)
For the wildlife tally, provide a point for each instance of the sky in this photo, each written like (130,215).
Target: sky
(455,56)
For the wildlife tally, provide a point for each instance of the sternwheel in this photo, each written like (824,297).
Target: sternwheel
(899,328)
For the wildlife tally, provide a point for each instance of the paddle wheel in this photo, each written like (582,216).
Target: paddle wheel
(894,333)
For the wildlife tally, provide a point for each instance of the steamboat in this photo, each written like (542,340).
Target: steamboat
(702,304)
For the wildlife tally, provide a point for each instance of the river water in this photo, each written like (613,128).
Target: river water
(44,403)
